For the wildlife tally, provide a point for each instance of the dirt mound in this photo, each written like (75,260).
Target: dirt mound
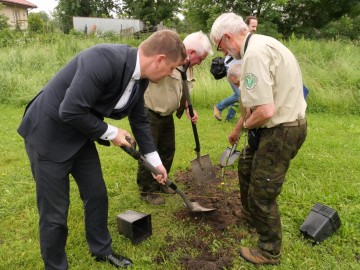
(216,236)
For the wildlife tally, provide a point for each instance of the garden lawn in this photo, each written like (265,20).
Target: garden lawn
(326,170)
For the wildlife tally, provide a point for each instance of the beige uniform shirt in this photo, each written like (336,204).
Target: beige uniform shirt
(164,97)
(271,75)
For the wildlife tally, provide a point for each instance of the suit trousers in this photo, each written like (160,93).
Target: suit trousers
(52,191)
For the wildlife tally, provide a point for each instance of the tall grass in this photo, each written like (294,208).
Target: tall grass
(330,70)
(28,64)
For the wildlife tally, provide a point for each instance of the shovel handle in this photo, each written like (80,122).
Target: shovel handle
(196,137)
(168,182)
(190,107)
(180,192)
(232,149)
(136,155)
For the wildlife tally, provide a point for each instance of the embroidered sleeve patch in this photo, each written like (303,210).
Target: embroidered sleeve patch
(250,81)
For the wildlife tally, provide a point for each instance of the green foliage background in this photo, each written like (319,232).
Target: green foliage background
(278,18)
(3,19)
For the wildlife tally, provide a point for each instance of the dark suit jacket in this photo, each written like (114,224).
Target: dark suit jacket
(70,109)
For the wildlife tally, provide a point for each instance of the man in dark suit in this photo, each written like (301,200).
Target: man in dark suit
(62,122)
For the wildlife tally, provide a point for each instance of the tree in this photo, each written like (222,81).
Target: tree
(201,14)
(306,17)
(36,23)
(302,17)
(44,16)
(3,19)
(344,28)
(66,9)
(196,15)
(151,12)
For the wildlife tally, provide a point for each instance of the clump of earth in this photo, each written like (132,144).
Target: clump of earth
(217,236)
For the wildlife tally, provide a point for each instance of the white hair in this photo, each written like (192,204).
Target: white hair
(234,70)
(227,23)
(199,42)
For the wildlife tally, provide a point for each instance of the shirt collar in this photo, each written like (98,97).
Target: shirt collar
(137,71)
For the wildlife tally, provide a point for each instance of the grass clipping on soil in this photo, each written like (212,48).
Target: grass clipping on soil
(218,233)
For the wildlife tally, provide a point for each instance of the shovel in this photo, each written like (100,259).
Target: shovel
(228,158)
(193,206)
(202,168)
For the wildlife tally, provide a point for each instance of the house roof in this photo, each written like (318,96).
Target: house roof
(19,3)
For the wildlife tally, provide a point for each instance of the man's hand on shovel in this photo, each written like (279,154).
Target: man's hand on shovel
(193,206)
(123,138)
(130,148)
(234,137)
(235,133)
(195,117)
(161,178)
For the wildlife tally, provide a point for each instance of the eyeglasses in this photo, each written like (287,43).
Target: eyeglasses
(218,48)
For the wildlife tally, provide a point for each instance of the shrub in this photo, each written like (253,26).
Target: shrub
(344,28)
(3,20)
(36,23)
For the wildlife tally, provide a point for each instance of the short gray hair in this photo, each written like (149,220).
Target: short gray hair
(234,70)
(227,23)
(199,42)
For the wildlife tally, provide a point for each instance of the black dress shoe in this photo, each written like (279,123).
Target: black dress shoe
(116,260)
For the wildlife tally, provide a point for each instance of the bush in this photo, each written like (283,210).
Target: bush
(36,23)
(3,20)
(10,38)
(269,29)
(344,28)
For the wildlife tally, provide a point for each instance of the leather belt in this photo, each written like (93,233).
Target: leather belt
(156,113)
(295,123)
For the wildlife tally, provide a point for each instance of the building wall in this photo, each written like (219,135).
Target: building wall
(21,14)
(90,24)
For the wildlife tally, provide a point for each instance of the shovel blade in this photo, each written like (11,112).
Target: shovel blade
(226,160)
(233,157)
(202,170)
(224,156)
(196,207)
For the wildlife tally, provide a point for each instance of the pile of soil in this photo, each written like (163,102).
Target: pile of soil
(217,238)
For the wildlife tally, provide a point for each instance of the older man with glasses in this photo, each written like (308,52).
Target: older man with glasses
(274,116)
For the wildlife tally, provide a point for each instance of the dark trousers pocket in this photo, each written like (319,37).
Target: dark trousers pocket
(253,139)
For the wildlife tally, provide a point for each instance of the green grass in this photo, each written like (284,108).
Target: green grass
(325,171)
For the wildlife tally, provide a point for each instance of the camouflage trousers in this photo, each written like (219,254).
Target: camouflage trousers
(163,132)
(261,176)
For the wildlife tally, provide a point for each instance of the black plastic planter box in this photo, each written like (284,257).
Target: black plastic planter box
(321,223)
